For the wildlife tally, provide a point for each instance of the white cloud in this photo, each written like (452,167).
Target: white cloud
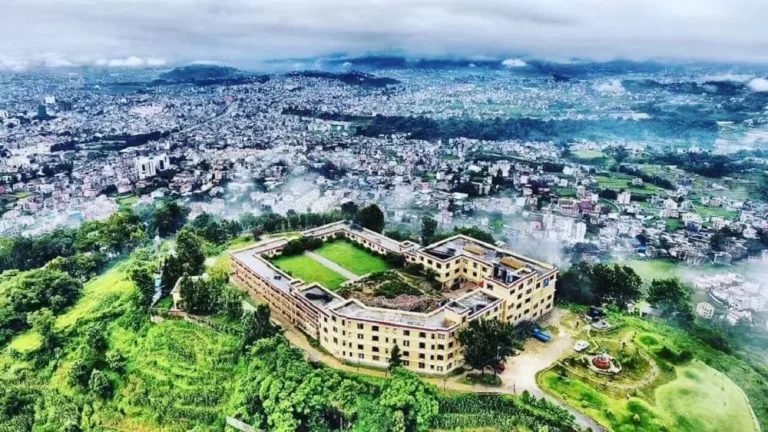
(613,86)
(759,85)
(514,63)
(132,61)
(246,31)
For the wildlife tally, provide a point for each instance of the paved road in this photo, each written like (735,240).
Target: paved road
(520,373)
(330,265)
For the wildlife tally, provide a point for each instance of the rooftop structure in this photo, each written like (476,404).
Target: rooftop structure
(482,282)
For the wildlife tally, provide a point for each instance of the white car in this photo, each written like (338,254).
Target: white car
(580,346)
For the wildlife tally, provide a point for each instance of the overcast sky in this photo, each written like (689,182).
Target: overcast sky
(243,32)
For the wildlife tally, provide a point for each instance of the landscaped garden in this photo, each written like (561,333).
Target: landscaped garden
(352,257)
(304,267)
(661,384)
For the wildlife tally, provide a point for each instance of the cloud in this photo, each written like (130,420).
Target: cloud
(758,85)
(613,86)
(243,32)
(514,63)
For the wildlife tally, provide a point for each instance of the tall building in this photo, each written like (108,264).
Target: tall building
(149,166)
(478,281)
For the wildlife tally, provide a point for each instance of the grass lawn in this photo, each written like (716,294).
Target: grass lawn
(127,201)
(309,270)
(588,154)
(654,269)
(353,258)
(702,399)
(717,212)
(616,183)
(674,224)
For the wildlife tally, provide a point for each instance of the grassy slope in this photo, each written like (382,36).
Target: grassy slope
(692,397)
(309,270)
(98,292)
(352,258)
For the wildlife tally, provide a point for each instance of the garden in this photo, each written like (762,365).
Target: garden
(352,257)
(660,386)
(304,267)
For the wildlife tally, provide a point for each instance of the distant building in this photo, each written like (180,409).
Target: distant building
(705,310)
(149,166)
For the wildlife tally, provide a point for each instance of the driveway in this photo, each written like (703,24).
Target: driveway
(520,373)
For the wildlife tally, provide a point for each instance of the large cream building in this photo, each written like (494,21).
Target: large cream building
(496,283)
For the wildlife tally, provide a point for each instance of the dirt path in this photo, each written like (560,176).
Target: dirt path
(330,265)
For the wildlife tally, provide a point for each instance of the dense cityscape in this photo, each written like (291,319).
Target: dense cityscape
(634,193)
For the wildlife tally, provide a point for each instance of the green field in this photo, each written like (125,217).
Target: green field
(309,270)
(702,399)
(717,212)
(22,195)
(353,258)
(127,201)
(588,154)
(616,183)
(654,269)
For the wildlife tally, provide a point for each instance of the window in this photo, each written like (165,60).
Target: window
(375,349)
(440,346)
(406,354)
(335,340)
(360,336)
(441,336)
(421,365)
(375,358)
(439,368)
(375,338)
(406,332)
(406,343)
(360,347)
(439,357)
(375,328)
(422,335)
(422,345)
(360,326)
(361,356)
(422,356)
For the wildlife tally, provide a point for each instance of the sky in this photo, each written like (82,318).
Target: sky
(129,33)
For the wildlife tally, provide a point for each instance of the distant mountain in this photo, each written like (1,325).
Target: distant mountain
(351,78)
(200,74)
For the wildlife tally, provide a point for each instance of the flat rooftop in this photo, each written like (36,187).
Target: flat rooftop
(468,247)
(383,241)
(434,320)
(277,278)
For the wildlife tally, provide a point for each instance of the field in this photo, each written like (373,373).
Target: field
(304,267)
(98,293)
(654,269)
(616,183)
(353,258)
(588,154)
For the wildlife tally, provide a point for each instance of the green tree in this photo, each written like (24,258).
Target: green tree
(349,210)
(257,325)
(486,343)
(169,218)
(99,385)
(189,251)
(142,276)
(371,217)
(428,230)
(575,284)
(413,403)
(395,358)
(617,284)
(43,322)
(231,302)
(673,299)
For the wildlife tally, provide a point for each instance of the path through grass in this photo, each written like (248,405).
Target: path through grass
(309,270)
(353,258)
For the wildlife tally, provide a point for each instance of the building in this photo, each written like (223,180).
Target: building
(149,166)
(705,310)
(483,281)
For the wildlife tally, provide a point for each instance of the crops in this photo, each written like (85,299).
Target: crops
(501,412)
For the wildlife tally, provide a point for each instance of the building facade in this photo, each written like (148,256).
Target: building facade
(485,282)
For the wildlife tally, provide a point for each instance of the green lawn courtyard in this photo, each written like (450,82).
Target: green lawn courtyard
(304,267)
(353,258)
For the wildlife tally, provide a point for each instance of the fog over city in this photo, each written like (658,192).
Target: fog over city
(132,33)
